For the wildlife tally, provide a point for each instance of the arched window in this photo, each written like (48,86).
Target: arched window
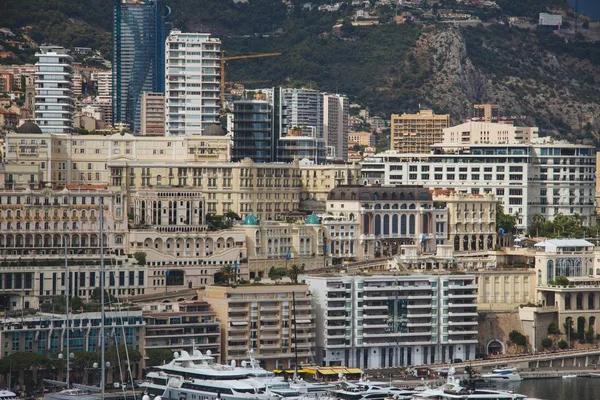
(411,224)
(378,224)
(386,224)
(394,223)
(366,224)
(425,223)
(403,224)
(550,271)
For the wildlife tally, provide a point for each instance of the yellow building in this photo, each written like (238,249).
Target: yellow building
(414,133)
(504,290)
(361,138)
(261,318)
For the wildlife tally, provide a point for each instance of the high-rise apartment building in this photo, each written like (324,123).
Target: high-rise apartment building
(192,82)
(390,321)
(335,125)
(139,32)
(414,133)
(273,320)
(252,127)
(152,122)
(53,90)
(304,108)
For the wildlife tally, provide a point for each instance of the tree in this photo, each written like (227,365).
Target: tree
(295,271)
(517,338)
(589,335)
(553,329)
(276,274)
(225,275)
(562,344)
(538,220)
(505,222)
(140,257)
(546,342)
(561,281)
(158,357)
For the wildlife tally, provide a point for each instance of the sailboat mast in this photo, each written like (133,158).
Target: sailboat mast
(295,334)
(102,309)
(68,292)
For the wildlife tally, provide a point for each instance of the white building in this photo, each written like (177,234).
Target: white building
(53,90)
(335,125)
(392,321)
(545,177)
(546,19)
(192,82)
(104,84)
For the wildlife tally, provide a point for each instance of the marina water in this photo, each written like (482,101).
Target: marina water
(557,388)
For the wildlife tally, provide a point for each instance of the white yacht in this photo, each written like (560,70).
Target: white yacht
(197,376)
(452,390)
(507,374)
(366,390)
(8,395)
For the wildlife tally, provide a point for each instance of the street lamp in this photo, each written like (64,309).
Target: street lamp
(71,356)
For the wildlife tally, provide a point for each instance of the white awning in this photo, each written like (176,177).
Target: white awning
(303,321)
(238,323)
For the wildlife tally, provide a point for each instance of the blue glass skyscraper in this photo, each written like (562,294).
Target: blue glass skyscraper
(139,33)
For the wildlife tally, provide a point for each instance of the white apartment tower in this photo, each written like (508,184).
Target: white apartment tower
(391,321)
(192,82)
(54,104)
(335,125)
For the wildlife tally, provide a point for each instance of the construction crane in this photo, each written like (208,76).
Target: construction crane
(224,59)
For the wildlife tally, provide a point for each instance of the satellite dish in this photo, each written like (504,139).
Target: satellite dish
(176,355)
(233,363)
(340,375)
(208,352)
(146,397)
(251,351)
(244,364)
(158,398)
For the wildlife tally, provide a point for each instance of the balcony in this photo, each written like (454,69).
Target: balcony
(416,334)
(375,306)
(376,326)
(269,336)
(336,307)
(375,297)
(269,346)
(375,316)
(463,296)
(462,314)
(463,287)
(418,324)
(461,332)
(416,306)
(379,334)
(413,315)
(420,296)
(274,327)
(459,323)
(336,316)
(462,341)
(464,305)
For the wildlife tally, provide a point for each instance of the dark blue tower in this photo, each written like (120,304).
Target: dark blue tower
(139,34)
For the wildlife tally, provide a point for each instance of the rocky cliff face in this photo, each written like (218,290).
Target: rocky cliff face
(513,68)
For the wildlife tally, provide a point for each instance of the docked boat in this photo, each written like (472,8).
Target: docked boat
(569,376)
(507,374)
(8,395)
(453,390)
(198,376)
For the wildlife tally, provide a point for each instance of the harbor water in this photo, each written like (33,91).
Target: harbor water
(557,388)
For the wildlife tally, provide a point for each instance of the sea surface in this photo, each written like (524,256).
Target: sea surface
(557,389)
(591,8)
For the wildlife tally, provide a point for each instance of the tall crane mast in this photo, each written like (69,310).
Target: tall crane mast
(224,59)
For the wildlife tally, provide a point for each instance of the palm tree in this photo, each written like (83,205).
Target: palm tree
(295,271)
(227,273)
(538,220)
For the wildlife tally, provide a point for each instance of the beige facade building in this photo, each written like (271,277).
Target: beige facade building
(361,138)
(414,133)
(504,290)
(270,244)
(34,225)
(471,226)
(391,221)
(576,304)
(261,318)
(153,114)
(473,132)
